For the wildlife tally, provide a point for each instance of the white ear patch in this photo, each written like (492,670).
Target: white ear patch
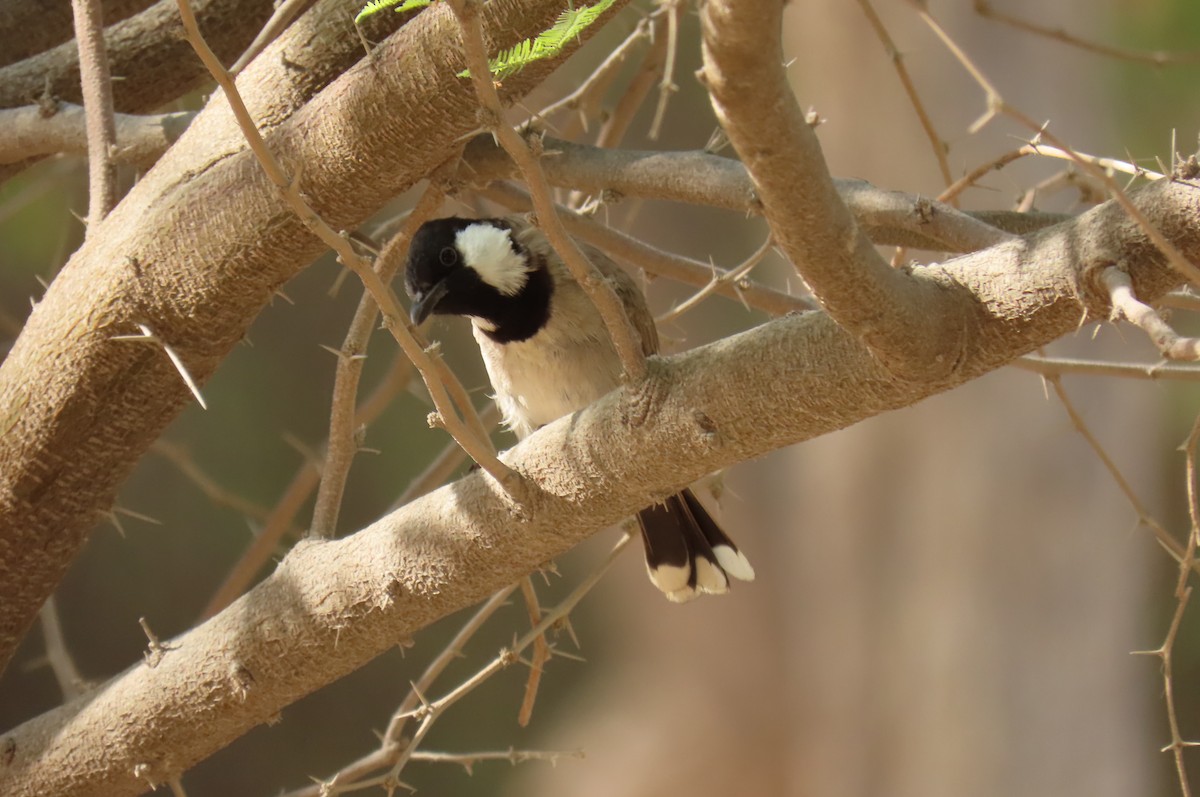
(489,250)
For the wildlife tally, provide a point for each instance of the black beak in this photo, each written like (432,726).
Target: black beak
(426,302)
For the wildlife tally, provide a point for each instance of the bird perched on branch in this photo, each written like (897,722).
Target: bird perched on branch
(548,354)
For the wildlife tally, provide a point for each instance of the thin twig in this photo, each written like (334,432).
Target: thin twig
(98,107)
(444,464)
(512,756)
(1156,58)
(587,95)
(997,105)
(733,276)
(1144,517)
(1126,305)
(70,682)
(285,11)
(936,142)
(648,75)
(398,747)
(541,654)
(656,261)
(492,114)
(178,456)
(1151,371)
(666,86)
(343,441)
(443,386)
(969,179)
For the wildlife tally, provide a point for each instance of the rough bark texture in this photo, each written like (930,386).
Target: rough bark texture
(331,606)
(28,27)
(194,252)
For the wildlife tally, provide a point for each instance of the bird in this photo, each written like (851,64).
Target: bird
(548,354)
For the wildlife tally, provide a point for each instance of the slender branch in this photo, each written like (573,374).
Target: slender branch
(996,104)
(936,142)
(1144,517)
(71,683)
(1152,371)
(285,11)
(541,653)
(700,178)
(666,86)
(343,430)
(732,276)
(648,75)
(624,338)
(656,261)
(1125,304)
(29,132)
(1154,58)
(392,743)
(178,456)
(586,97)
(443,465)
(98,108)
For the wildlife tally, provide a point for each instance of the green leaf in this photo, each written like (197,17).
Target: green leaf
(375,6)
(549,43)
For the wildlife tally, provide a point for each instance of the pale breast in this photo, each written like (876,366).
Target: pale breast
(540,380)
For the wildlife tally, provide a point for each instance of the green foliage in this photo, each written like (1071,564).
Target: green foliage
(570,24)
(375,6)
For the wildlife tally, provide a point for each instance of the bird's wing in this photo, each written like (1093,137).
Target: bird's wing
(631,297)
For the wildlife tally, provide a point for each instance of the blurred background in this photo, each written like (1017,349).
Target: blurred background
(947,596)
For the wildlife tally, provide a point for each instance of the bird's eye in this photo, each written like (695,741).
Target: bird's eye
(448,256)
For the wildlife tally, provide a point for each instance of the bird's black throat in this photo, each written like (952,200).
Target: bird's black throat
(521,316)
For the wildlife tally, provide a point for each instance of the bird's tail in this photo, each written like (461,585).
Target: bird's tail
(687,553)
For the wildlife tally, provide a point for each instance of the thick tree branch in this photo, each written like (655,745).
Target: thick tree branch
(146,51)
(908,323)
(195,250)
(333,605)
(28,27)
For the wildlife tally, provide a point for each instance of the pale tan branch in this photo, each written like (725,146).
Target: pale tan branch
(541,653)
(699,178)
(648,75)
(1127,306)
(71,682)
(936,143)
(1151,371)
(656,261)
(98,110)
(343,442)
(996,104)
(1152,58)
(30,131)
(203,242)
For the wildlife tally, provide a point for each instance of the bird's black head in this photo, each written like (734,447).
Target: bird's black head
(474,267)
